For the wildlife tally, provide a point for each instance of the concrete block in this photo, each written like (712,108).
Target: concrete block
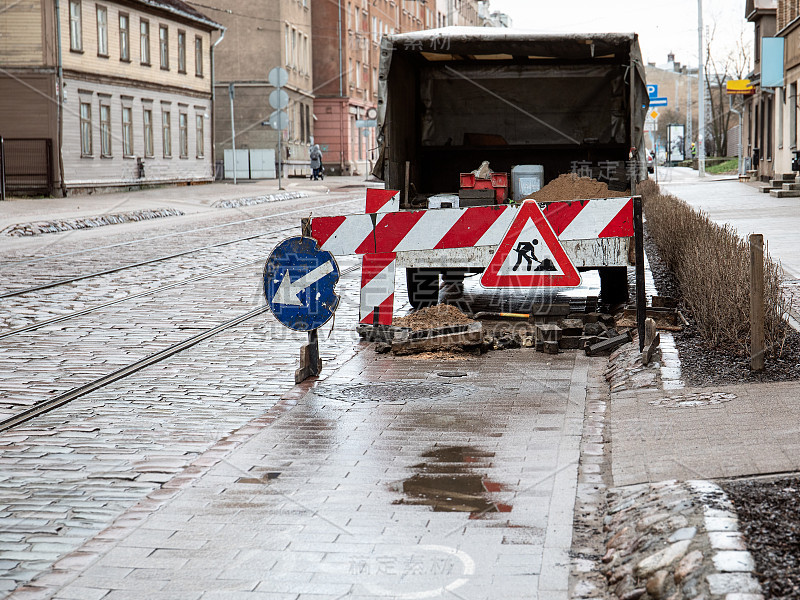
(550,347)
(608,346)
(551,310)
(379,333)
(784,194)
(547,332)
(436,339)
(571,327)
(570,342)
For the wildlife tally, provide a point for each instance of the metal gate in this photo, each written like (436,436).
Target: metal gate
(27,166)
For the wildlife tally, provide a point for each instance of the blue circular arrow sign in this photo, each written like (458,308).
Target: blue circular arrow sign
(299,282)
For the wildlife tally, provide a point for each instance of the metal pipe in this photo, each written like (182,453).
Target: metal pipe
(341,86)
(60,117)
(739,150)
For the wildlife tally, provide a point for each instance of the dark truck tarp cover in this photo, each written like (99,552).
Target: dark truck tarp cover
(439,87)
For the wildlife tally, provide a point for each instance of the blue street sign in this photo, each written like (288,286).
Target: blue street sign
(652,90)
(299,283)
(658,102)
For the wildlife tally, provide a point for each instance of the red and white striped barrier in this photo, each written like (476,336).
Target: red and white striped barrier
(592,232)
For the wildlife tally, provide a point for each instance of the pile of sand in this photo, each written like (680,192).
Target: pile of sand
(571,187)
(441,315)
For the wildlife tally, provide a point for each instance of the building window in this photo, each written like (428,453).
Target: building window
(166,132)
(105,130)
(86,129)
(199,136)
(308,123)
(163,44)
(181,52)
(287,43)
(198,56)
(144,41)
(127,131)
(124,37)
(75,30)
(183,134)
(102,31)
(148,132)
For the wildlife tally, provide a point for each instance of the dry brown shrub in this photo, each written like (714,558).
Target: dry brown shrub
(711,264)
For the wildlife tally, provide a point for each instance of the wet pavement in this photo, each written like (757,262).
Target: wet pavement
(385,480)
(704,433)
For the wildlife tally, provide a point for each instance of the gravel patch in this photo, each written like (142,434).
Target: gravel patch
(770,520)
(252,201)
(40,227)
(703,363)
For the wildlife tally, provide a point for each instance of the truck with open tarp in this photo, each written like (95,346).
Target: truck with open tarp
(450,99)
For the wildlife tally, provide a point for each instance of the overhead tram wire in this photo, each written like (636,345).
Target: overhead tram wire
(100,382)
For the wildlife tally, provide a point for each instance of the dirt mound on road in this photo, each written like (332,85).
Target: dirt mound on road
(441,315)
(571,187)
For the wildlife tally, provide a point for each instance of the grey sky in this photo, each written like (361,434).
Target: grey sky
(663,25)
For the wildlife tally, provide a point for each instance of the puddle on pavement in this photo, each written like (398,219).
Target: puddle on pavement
(447,482)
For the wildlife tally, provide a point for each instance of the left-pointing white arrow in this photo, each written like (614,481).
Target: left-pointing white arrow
(288,290)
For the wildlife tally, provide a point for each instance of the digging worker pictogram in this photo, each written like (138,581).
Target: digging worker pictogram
(526,250)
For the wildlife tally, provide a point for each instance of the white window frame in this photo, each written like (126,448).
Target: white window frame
(125,37)
(86,126)
(127,131)
(75,25)
(102,31)
(144,42)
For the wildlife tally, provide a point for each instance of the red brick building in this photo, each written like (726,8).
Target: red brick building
(346,42)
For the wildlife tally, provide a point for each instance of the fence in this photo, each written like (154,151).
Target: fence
(26,167)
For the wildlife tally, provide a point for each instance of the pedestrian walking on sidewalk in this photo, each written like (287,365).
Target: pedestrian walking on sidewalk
(316,163)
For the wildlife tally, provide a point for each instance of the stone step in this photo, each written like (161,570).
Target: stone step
(784,176)
(790,187)
(785,193)
(777,183)
(765,189)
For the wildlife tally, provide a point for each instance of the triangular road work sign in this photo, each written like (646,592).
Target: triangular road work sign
(530,255)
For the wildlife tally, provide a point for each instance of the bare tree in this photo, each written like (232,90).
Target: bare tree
(732,65)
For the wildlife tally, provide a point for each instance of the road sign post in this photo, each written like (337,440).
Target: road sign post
(233,130)
(278,99)
(299,284)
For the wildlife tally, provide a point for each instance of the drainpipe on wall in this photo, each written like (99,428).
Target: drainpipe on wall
(341,92)
(60,116)
(213,98)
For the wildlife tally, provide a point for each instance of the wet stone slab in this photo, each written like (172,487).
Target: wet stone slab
(466,493)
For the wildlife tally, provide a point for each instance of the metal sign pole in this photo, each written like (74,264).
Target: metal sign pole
(641,299)
(233,132)
(280,157)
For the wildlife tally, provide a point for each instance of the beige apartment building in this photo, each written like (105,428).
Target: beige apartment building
(120,92)
(261,35)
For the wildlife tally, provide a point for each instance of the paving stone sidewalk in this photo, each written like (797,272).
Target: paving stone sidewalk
(705,433)
(364,489)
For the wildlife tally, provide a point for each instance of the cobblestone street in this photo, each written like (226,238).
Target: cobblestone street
(67,475)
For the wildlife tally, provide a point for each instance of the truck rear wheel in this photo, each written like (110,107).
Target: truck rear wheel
(613,285)
(423,287)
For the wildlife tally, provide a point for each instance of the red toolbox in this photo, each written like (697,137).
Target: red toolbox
(496,181)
